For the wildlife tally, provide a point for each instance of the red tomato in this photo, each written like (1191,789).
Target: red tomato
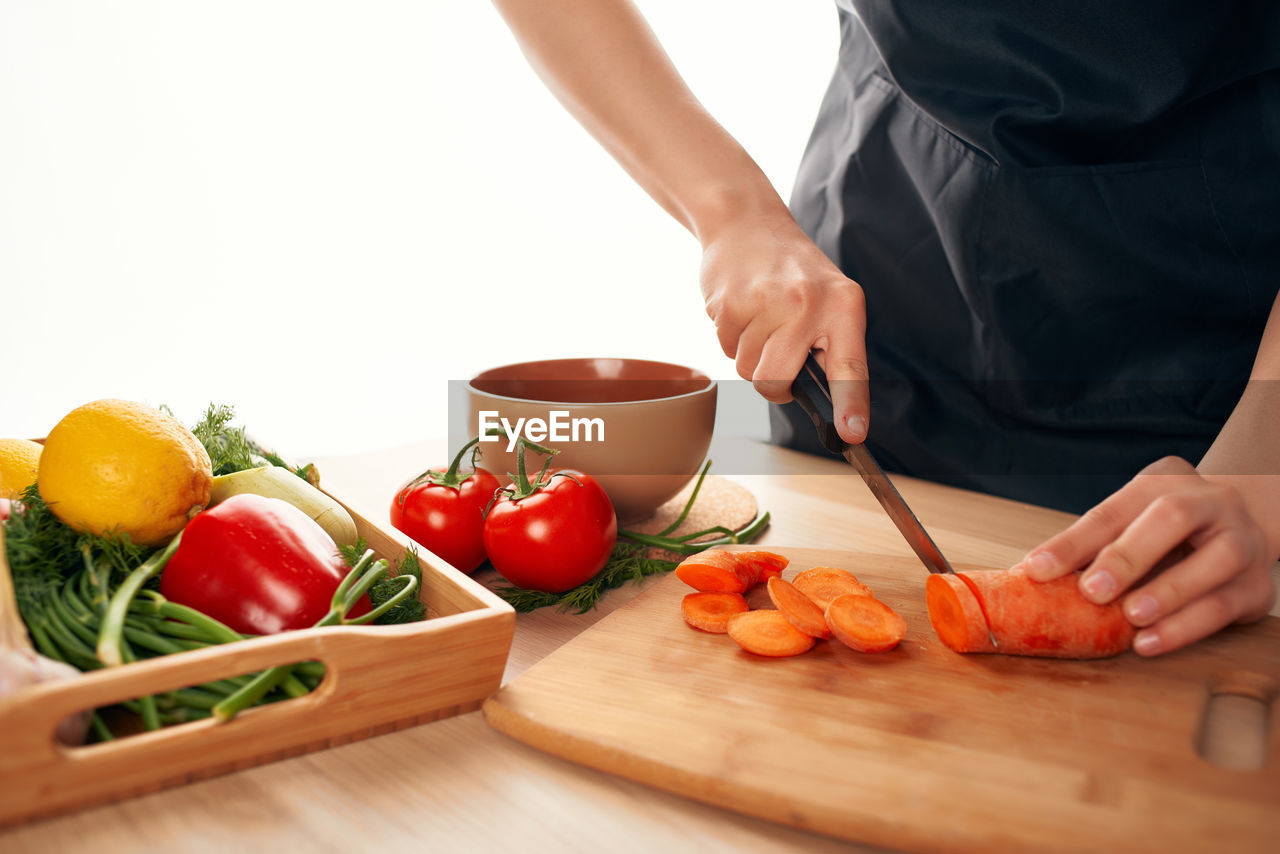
(444,512)
(555,538)
(4,509)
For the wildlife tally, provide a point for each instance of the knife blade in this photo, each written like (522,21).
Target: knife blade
(877,481)
(865,464)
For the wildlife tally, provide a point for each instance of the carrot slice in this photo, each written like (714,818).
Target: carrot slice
(767,573)
(768,564)
(822,584)
(1050,619)
(710,612)
(956,618)
(768,633)
(716,571)
(865,623)
(977,594)
(798,608)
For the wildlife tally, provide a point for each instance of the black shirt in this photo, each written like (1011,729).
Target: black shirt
(1066,220)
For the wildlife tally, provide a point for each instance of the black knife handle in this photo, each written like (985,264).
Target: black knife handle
(827,435)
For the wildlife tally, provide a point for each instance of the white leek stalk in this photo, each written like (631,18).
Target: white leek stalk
(277,482)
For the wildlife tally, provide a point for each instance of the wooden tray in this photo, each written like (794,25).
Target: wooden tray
(378,679)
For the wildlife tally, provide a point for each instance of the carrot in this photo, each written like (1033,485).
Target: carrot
(798,608)
(768,564)
(864,623)
(710,612)
(767,632)
(822,584)
(716,571)
(767,573)
(1050,619)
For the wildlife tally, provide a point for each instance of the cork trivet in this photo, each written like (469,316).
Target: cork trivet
(720,502)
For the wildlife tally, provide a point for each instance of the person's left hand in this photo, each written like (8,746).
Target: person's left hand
(1182,549)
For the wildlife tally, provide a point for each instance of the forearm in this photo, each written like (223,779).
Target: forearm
(1246,453)
(603,63)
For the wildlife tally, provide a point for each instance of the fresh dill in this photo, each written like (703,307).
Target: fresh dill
(228,447)
(231,450)
(628,563)
(43,552)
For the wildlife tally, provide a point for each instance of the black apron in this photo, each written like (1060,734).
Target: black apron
(1066,221)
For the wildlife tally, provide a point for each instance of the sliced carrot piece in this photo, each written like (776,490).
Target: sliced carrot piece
(823,584)
(865,623)
(767,573)
(798,608)
(956,617)
(710,612)
(716,571)
(767,632)
(767,564)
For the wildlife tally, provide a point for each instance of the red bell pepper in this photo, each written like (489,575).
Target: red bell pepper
(259,565)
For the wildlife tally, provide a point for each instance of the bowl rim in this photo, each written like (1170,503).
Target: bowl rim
(710,386)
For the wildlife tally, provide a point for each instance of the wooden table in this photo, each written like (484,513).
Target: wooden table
(458,785)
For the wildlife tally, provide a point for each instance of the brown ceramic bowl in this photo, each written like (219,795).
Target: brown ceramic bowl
(640,428)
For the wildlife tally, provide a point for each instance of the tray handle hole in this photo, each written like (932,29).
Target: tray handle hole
(1233,731)
(192,703)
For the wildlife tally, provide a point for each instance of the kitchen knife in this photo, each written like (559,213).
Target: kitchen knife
(865,464)
(875,478)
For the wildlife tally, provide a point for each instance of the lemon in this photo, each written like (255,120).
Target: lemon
(118,467)
(19,459)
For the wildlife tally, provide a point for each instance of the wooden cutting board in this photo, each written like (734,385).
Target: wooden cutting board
(918,748)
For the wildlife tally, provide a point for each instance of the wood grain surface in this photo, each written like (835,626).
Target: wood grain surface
(919,748)
(460,785)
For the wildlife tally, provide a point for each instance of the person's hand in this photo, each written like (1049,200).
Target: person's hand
(1182,550)
(773,296)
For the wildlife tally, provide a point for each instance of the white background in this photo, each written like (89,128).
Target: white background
(322,212)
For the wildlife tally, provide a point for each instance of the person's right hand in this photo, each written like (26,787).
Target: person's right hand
(773,296)
(772,293)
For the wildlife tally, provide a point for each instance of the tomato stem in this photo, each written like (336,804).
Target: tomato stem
(451,477)
(523,487)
